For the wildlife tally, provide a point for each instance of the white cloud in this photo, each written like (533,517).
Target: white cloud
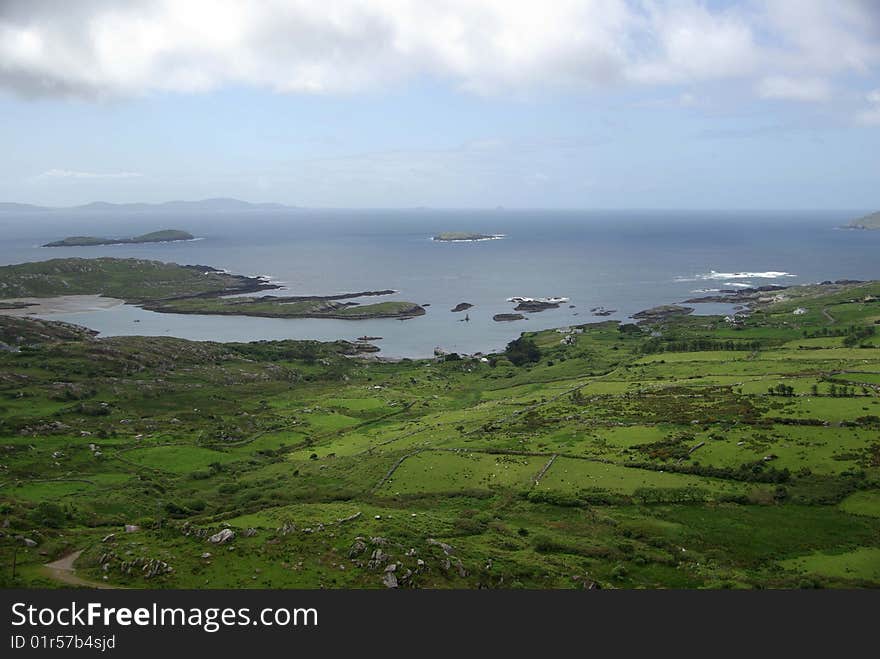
(68,174)
(871,116)
(794,89)
(97,48)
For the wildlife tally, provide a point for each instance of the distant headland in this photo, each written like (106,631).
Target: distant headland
(163,236)
(871,221)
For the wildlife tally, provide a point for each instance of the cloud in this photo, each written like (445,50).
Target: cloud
(794,89)
(871,116)
(103,48)
(72,174)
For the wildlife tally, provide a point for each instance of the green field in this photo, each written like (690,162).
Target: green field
(676,453)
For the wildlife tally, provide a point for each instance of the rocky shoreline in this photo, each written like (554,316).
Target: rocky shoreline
(411,311)
(663,311)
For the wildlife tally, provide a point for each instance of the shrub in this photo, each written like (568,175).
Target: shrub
(48,514)
(522,351)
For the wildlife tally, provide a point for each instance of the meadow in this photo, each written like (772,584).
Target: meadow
(686,451)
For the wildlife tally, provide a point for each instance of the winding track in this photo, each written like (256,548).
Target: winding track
(63,571)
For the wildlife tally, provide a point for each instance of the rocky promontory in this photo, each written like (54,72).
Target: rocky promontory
(662,312)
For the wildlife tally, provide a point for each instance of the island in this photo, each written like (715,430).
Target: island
(871,221)
(602,311)
(163,236)
(464,237)
(536,304)
(507,317)
(184,289)
(461,306)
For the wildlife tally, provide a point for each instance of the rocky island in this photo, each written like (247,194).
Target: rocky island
(536,304)
(163,236)
(461,236)
(602,311)
(461,306)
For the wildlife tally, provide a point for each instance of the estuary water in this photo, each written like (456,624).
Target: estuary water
(620,260)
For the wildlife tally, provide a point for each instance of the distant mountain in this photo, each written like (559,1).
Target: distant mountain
(19,208)
(216,205)
(871,221)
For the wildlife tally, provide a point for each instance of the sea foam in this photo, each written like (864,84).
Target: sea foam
(714,275)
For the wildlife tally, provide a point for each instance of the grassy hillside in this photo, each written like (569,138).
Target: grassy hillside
(684,451)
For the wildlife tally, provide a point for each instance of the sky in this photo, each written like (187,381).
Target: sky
(443,103)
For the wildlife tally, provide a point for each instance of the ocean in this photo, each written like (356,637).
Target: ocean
(621,260)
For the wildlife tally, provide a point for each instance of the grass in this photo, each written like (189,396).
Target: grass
(675,467)
(861,564)
(178,459)
(862,503)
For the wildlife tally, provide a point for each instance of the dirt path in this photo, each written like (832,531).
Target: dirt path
(831,319)
(62,570)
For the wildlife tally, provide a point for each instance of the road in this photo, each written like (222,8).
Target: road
(62,570)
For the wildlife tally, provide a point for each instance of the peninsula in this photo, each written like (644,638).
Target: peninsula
(186,289)
(163,236)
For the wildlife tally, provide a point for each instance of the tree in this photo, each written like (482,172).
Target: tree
(522,351)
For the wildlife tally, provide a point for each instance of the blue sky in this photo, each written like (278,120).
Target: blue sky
(575,104)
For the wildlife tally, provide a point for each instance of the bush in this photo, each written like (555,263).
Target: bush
(522,351)
(48,514)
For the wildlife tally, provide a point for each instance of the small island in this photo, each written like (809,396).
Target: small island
(461,306)
(535,306)
(461,236)
(871,221)
(163,236)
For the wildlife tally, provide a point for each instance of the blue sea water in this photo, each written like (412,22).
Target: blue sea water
(623,260)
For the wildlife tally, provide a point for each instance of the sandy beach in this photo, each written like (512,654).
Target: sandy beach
(41,306)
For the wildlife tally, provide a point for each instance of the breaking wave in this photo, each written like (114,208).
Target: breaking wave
(713,275)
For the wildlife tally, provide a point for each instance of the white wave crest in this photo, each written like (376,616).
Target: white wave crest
(549,300)
(714,275)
